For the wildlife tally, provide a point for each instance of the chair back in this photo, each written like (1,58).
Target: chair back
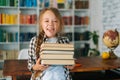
(23,54)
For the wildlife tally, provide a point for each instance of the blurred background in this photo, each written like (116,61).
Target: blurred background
(85,21)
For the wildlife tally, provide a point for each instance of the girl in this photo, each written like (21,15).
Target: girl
(51,25)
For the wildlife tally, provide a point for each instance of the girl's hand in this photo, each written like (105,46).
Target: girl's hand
(69,66)
(39,66)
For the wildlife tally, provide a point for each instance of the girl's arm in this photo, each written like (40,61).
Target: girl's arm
(31,53)
(33,64)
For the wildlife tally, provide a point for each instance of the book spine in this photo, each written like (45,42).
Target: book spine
(22,37)
(34,3)
(27,19)
(11,2)
(33,18)
(2,54)
(3,2)
(7,18)
(11,54)
(7,2)
(16,19)
(3,18)
(0,18)
(24,19)
(57,45)
(21,19)
(61,4)
(56,56)
(1,35)
(46,3)
(11,18)
(28,3)
(0,2)
(4,33)
(55,4)
(69,52)
(6,36)
(41,3)
(10,38)
(21,4)
(15,3)
(58,62)
(56,48)
(68,4)
(16,36)
(86,20)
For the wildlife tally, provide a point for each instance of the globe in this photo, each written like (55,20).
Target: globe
(111,40)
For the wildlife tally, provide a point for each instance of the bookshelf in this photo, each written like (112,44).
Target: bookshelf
(81,27)
(18,21)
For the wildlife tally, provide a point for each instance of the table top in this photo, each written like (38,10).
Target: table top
(19,67)
(96,63)
(15,67)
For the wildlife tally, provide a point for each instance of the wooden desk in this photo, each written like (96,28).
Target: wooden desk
(15,68)
(96,63)
(19,67)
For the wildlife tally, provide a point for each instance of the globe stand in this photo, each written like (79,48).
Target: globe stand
(112,54)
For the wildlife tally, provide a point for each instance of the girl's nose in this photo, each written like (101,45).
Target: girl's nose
(50,22)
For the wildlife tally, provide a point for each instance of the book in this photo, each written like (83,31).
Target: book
(2,54)
(60,1)
(56,56)
(56,48)
(3,18)
(56,52)
(0,18)
(11,2)
(46,3)
(11,54)
(57,45)
(58,62)
(34,3)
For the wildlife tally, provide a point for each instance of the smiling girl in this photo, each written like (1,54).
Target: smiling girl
(51,26)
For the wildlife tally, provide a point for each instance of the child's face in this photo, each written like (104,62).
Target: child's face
(50,24)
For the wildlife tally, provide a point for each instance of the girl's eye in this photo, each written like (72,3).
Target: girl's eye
(55,21)
(46,21)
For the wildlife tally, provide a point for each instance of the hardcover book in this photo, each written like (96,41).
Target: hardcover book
(57,46)
(58,62)
(56,52)
(56,56)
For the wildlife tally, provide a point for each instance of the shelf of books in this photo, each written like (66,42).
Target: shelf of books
(81,27)
(18,22)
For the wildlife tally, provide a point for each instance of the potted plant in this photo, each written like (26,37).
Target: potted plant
(95,38)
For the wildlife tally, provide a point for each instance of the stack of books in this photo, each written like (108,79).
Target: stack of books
(57,54)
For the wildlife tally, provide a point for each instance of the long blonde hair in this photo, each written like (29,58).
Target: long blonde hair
(41,31)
